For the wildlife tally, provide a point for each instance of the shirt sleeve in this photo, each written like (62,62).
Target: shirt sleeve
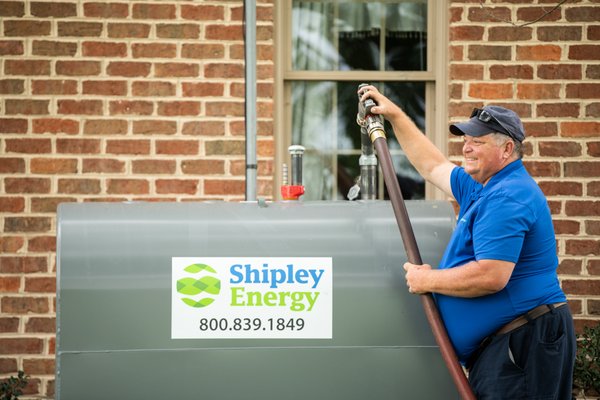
(499,229)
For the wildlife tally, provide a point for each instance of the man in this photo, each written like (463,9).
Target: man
(496,286)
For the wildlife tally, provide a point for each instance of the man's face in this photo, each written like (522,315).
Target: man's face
(484,157)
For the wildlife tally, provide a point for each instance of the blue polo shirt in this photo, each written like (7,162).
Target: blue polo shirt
(508,219)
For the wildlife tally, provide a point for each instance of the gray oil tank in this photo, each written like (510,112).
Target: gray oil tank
(155,302)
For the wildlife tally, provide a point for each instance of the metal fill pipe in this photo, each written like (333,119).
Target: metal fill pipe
(250,96)
(377,135)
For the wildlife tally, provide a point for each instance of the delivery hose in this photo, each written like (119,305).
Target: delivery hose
(377,135)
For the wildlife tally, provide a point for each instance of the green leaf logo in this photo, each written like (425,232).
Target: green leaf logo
(207,285)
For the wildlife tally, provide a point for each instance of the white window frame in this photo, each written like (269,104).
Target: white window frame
(435,78)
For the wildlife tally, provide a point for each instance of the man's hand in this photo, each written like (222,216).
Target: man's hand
(416,277)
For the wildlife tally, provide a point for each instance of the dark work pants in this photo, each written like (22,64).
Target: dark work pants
(533,362)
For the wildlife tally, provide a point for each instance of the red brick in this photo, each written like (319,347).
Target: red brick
(27,185)
(179,108)
(77,68)
(592,110)
(12,86)
(27,224)
(78,146)
(559,33)
(12,165)
(593,32)
(55,125)
(203,12)
(37,366)
(581,168)
(128,69)
(544,91)
(204,128)
(154,127)
(40,325)
(105,88)
(104,49)
(592,227)
(127,107)
(24,305)
(12,8)
(566,227)
(203,167)
(103,165)
(224,70)
(593,149)
(559,71)
(559,149)
(11,244)
(203,51)
(153,89)
(53,166)
(582,14)
(105,127)
(509,34)
(12,204)
(16,28)
(487,52)
(8,325)
(40,285)
(153,166)
(128,30)
(224,187)
(176,186)
(184,147)
(466,72)
(53,10)
(84,107)
(128,186)
(21,345)
(570,267)
(10,284)
(225,147)
(224,32)
(154,50)
(584,52)
(558,110)
(42,244)
(13,125)
(154,11)
(203,89)
(128,146)
(79,29)
(498,72)
(11,48)
(466,33)
(49,204)
(561,188)
(79,186)
(52,48)
(106,10)
(225,109)
(491,90)
(26,107)
(541,129)
(580,129)
(178,31)
(543,168)
(581,286)
(23,265)
(545,52)
(529,14)
(583,90)
(176,70)
(55,86)
(582,208)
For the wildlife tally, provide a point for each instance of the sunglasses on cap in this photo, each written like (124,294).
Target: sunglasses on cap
(485,116)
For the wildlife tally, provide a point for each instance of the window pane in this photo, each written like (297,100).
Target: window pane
(324,121)
(359,35)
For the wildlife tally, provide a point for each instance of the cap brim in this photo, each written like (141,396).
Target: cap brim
(472,127)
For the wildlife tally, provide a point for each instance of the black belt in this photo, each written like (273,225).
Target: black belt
(511,326)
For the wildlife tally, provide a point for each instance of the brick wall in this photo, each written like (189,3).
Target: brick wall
(111,101)
(144,100)
(548,72)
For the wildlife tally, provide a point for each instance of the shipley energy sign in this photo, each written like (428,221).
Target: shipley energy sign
(251,297)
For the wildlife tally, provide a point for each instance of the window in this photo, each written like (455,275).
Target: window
(325,50)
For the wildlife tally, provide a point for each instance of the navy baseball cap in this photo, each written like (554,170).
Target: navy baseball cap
(491,119)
